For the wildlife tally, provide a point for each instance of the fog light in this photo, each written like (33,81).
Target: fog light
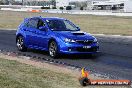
(69,49)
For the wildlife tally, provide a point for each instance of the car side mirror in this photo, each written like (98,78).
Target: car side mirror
(78,28)
(43,28)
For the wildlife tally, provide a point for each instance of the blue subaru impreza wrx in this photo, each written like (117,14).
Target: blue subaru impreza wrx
(55,35)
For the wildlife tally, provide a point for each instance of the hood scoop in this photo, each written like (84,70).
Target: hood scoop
(78,33)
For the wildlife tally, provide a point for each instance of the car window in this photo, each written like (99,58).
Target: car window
(61,25)
(40,23)
(33,23)
(69,26)
(25,22)
(56,24)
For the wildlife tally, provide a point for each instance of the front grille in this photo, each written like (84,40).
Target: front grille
(93,49)
(86,42)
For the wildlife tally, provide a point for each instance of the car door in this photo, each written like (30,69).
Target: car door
(37,38)
(42,35)
(31,32)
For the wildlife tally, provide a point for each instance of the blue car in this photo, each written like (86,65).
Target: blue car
(55,35)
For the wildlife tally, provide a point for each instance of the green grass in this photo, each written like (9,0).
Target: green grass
(16,75)
(88,23)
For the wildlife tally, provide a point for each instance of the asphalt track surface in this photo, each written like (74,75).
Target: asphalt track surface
(114,59)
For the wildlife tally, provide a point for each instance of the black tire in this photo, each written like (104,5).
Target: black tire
(53,49)
(84,81)
(20,44)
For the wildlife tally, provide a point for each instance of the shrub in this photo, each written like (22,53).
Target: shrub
(54,8)
(68,8)
(45,7)
(61,8)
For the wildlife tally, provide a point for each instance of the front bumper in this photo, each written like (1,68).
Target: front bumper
(79,48)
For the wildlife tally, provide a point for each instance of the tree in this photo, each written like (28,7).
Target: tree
(11,1)
(81,8)
(5,2)
(53,2)
(1,3)
(61,8)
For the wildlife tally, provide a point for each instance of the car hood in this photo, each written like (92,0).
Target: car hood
(76,35)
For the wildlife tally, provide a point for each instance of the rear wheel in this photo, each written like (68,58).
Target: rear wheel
(20,44)
(53,49)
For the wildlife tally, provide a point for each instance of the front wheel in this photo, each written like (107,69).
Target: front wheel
(20,44)
(53,49)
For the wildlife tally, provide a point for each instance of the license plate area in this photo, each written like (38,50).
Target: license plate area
(86,47)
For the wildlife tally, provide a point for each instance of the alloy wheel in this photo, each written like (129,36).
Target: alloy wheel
(53,49)
(20,44)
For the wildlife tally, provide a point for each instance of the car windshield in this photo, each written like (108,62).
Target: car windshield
(61,25)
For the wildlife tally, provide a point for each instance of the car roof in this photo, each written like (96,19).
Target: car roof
(54,18)
(50,18)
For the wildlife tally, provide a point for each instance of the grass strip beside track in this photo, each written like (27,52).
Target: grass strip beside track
(88,23)
(16,75)
(23,73)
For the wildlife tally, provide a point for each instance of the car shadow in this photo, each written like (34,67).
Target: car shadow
(67,56)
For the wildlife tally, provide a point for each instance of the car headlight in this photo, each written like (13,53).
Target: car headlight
(95,40)
(69,40)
